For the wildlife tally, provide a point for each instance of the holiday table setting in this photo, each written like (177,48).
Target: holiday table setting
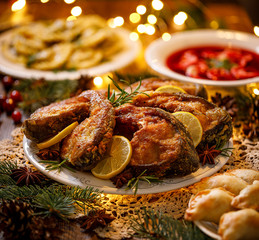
(124,84)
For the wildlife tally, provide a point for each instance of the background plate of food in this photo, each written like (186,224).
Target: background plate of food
(60,49)
(84,179)
(210,57)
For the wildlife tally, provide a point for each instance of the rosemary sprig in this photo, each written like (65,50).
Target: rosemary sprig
(226,152)
(55,165)
(123,96)
(156,225)
(133,183)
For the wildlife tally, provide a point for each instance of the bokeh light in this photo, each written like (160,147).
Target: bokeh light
(157,4)
(180,18)
(134,17)
(18,5)
(141,9)
(71,18)
(98,81)
(76,11)
(134,36)
(151,19)
(44,1)
(150,29)
(166,36)
(141,28)
(256,31)
(118,21)
(69,1)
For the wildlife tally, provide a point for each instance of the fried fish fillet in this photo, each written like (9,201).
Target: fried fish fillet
(160,143)
(151,84)
(48,121)
(216,122)
(88,142)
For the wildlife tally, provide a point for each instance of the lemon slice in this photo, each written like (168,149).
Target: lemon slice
(57,138)
(192,125)
(116,160)
(169,89)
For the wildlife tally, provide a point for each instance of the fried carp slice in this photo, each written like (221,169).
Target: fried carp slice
(151,84)
(216,122)
(48,121)
(88,142)
(160,143)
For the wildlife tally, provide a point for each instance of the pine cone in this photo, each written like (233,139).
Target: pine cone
(15,216)
(44,228)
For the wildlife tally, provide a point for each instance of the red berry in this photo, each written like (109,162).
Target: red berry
(9,106)
(2,100)
(16,116)
(16,96)
(7,82)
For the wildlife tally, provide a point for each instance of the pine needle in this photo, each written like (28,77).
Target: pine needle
(155,225)
(53,203)
(6,167)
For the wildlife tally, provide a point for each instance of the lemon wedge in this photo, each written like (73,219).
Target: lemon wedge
(169,89)
(116,160)
(57,138)
(192,125)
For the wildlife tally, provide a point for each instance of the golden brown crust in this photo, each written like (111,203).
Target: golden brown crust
(160,143)
(239,225)
(216,123)
(231,183)
(151,84)
(86,145)
(209,205)
(248,197)
(88,142)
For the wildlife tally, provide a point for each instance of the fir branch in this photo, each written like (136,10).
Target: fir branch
(6,167)
(123,96)
(6,180)
(134,182)
(38,93)
(54,203)
(84,198)
(155,225)
(55,165)
(25,193)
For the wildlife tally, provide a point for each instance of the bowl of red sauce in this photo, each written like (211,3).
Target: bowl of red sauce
(210,57)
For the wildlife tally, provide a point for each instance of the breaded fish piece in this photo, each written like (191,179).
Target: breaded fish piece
(160,143)
(151,84)
(88,142)
(216,122)
(48,121)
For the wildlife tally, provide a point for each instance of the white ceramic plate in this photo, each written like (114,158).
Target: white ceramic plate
(159,50)
(209,228)
(84,179)
(119,60)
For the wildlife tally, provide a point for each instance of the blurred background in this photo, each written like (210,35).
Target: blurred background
(162,15)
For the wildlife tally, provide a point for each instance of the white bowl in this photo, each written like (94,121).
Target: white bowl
(159,50)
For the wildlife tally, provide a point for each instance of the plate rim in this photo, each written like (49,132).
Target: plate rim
(118,61)
(33,158)
(203,226)
(152,60)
